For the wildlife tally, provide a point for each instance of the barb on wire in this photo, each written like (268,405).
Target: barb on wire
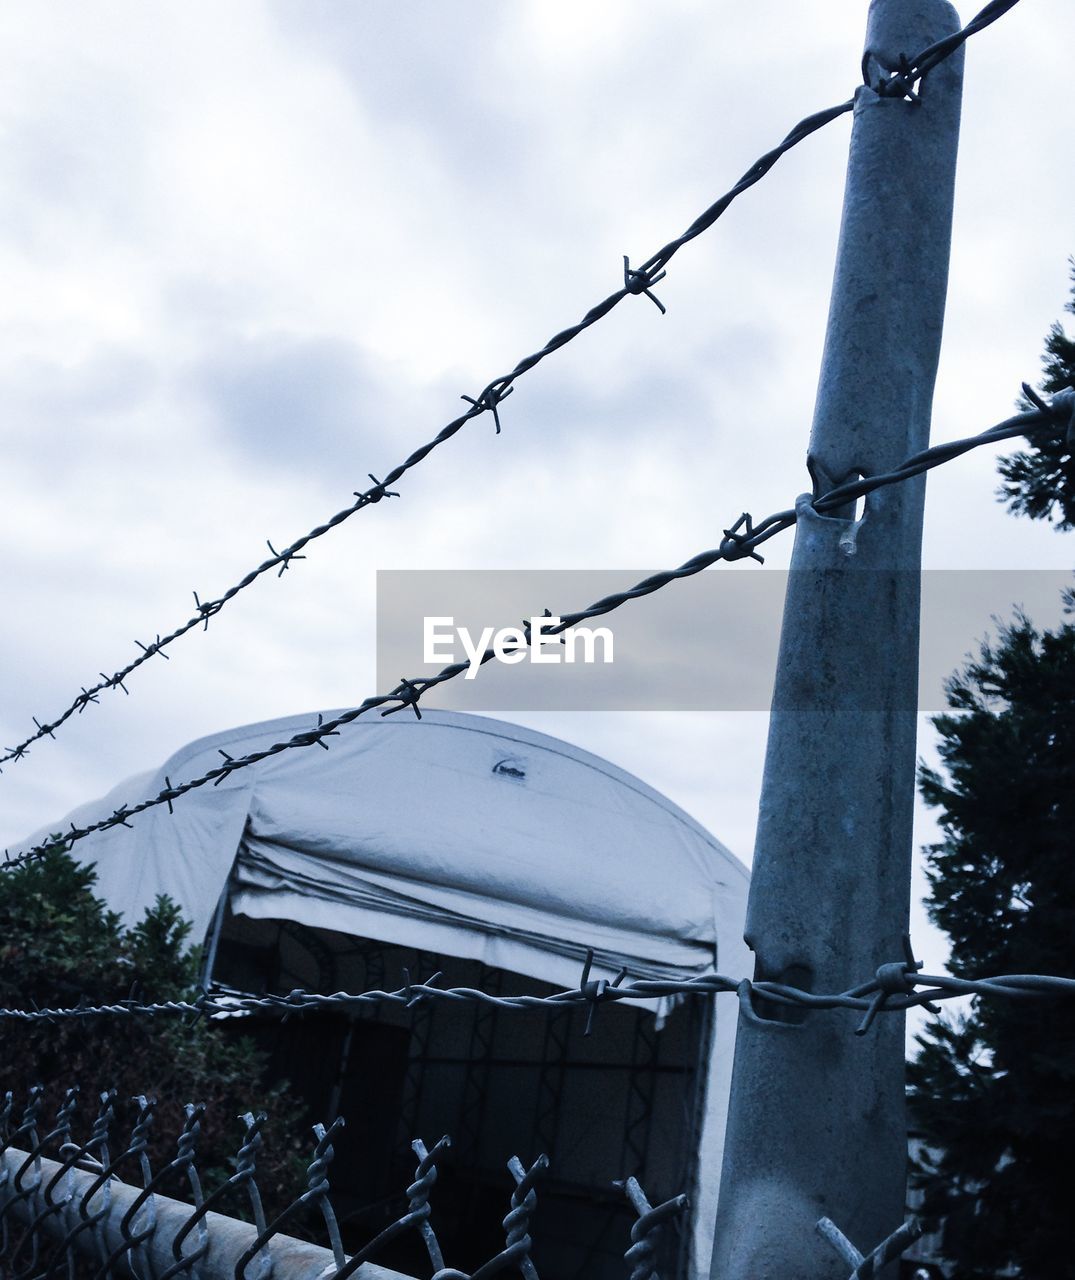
(130,1219)
(596,991)
(734,546)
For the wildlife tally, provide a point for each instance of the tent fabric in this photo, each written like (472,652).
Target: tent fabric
(484,840)
(458,835)
(455,833)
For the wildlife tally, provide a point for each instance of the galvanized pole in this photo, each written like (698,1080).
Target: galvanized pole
(816,1125)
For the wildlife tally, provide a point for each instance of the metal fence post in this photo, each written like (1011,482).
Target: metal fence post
(816,1125)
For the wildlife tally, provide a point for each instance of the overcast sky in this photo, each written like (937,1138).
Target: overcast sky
(254,251)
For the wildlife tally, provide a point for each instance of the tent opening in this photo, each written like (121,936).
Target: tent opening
(628,1099)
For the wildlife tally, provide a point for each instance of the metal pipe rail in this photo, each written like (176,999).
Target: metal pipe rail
(112,1220)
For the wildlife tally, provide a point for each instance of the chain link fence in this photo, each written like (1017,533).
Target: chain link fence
(95,1207)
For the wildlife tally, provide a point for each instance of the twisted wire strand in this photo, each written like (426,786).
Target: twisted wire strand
(636,281)
(641,1255)
(891,1248)
(935,54)
(740,541)
(39,1195)
(911,989)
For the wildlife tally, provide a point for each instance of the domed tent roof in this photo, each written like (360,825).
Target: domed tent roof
(455,834)
(458,835)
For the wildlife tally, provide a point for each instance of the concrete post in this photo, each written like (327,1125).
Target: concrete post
(816,1124)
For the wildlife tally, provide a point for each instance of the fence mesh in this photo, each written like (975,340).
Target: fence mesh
(94,1206)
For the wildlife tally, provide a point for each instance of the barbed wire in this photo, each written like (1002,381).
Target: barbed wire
(739,542)
(68,1194)
(894,988)
(636,281)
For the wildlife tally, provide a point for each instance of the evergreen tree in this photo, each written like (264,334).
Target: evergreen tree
(994,1091)
(59,944)
(1039,481)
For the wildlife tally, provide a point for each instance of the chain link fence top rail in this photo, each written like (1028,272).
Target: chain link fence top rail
(97,1208)
(740,541)
(900,81)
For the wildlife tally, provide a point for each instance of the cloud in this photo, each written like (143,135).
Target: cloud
(252,252)
(296,401)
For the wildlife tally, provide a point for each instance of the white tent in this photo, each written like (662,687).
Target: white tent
(458,835)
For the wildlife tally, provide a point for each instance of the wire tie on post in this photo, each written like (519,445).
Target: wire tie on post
(640,280)
(900,82)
